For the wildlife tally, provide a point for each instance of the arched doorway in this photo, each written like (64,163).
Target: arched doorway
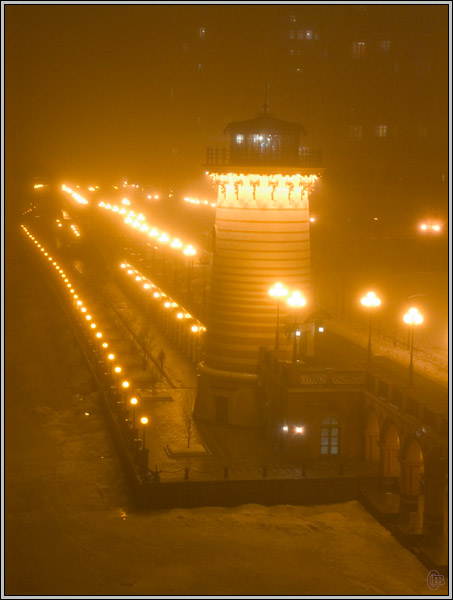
(330,437)
(390,445)
(372,448)
(412,468)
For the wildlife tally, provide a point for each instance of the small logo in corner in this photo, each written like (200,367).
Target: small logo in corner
(434,580)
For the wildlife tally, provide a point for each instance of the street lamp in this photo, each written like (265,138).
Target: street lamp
(278,291)
(300,430)
(117,371)
(111,358)
(144,422)
(134,403)
(296,301)
(412,318)
(189,251)
(197,329)
(124,385)
(370,301)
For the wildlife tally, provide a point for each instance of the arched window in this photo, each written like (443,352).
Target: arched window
(330,436)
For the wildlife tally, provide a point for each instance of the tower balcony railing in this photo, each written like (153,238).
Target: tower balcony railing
(223,157)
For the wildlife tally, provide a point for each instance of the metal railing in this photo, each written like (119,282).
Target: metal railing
(250,156)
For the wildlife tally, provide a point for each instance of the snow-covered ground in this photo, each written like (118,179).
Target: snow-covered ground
(69,530)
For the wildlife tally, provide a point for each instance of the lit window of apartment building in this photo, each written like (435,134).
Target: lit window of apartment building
(423,67)
(356,132)
(420,131)
(381,131)
(358,49)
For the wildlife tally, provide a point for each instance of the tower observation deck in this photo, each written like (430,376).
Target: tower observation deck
(261,237)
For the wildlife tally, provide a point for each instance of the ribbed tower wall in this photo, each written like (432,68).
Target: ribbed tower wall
(261,237)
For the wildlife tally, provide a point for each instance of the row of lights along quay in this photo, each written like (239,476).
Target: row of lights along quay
(98,346)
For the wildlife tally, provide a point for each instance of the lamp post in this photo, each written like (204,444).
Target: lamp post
(117,371)
(111,358)
(300,432)
(134,403)
(177,245)
(412,318)
(296,301)
(370,301)
(189,251)
(278,291)
(144,422)
(163,239)
(124,385)
(204,262)
(196,329)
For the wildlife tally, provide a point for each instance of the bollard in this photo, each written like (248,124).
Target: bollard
(225,472)
(264,471)
(186,472)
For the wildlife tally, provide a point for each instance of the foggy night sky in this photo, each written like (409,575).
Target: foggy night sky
(105,92)
(88,87)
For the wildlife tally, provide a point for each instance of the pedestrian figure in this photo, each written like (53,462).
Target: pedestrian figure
(161,359)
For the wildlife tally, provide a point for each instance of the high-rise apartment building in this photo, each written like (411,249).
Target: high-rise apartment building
(368,82)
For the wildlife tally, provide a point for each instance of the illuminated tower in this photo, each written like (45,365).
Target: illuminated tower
(261,237)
